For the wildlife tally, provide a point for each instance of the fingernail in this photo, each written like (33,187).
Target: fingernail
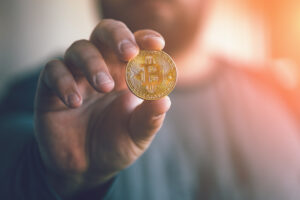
(73,100)
(128,47)
(102,79)
(156,38)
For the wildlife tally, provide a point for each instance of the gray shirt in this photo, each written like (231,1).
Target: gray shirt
(234,136)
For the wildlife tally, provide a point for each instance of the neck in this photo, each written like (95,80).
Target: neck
(192,64)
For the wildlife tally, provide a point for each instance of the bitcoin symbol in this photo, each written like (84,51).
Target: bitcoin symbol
(151,75)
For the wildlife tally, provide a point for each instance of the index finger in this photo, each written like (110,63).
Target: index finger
(116,36)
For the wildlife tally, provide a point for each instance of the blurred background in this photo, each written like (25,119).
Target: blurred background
(33,31)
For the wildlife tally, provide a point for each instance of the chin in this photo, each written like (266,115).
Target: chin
(156,21)
(152,16)
(175,23)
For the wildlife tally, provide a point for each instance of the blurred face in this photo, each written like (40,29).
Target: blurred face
(177,20)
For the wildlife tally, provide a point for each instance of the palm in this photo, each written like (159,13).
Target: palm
(98,131)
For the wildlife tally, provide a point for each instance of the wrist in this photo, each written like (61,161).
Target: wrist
(71,186)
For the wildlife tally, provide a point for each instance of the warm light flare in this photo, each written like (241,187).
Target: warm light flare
(283,26)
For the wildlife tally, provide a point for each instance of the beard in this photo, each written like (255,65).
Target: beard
(178,24)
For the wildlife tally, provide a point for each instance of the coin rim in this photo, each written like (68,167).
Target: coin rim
(169,59)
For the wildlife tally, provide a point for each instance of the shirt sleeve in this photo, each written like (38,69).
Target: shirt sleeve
(22,173)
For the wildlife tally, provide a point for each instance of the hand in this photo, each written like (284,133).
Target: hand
(88,125)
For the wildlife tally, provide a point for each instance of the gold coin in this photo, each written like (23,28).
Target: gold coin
(151,75)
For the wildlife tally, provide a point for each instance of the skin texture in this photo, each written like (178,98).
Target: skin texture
(88,125)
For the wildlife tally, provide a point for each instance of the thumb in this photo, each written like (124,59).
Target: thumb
(147,119)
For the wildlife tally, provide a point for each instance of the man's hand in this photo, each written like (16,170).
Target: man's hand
(88,126)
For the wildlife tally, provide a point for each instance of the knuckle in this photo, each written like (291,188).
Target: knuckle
(79,42)
(76,49)
(50,65)
(112,26)
(107,23)
(120,24)
(48,74)
(109,31)
(77,45)
(103,24)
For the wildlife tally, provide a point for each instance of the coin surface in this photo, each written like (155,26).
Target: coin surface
(151,75)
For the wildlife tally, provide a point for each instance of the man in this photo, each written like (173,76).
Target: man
(229,135)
